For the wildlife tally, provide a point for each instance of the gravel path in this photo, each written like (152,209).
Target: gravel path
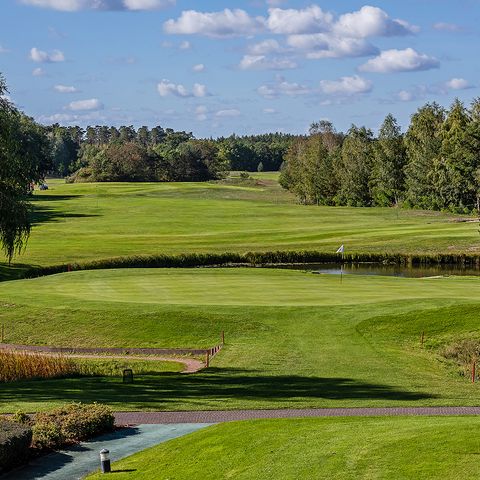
(76,462)
(133,418)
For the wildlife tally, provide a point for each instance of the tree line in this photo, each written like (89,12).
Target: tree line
(102,153)
(434,165)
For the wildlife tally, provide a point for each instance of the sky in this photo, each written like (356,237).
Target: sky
(215,68)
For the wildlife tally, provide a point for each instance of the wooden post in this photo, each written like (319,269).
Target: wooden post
(422,339)
(207,359)
(473,372)
(223,337)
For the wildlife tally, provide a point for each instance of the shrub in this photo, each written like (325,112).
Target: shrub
(71,423)
(15,441)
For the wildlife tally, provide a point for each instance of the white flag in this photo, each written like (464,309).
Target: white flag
(340,249)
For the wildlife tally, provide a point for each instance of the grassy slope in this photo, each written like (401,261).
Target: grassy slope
(86,221)
(293,339)
(426,448)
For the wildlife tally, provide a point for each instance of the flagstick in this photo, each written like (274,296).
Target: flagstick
(341,268)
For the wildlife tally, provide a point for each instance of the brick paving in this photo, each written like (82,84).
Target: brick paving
(138,418)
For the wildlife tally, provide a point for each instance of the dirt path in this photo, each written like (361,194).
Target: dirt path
(191,365)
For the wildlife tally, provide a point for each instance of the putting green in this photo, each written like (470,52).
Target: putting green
(235,286)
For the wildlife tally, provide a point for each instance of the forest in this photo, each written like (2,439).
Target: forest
(435,165)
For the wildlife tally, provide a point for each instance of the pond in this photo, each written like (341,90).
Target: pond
(386,270)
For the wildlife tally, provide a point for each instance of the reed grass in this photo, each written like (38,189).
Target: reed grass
(15,366)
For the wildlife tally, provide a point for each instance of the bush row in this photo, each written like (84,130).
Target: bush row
(70,424)
(256,259)
(55,429)
(15,440)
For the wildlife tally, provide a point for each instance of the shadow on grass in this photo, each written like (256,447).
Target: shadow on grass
(163,390)
(46,214)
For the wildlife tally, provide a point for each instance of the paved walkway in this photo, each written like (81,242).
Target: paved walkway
(133,418)
(76,462)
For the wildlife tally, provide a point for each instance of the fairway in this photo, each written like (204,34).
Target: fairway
(81,222)
(293,339)
(428,448)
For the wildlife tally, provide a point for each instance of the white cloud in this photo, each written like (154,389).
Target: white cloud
(3,49)
(261,62)
(447,27)
(185,45)
(371,22)
(200,67)
(166,88)
(346,86)
(65,89)
(282,87)
(227,23)
(407,60)
(38,72)
(76,5)
(90,104)
(269,111)
(199,90)
(405,96)
(290,21)
(201,113)
(265,47)
(321,45)
(40,56)
(458,84)
(231,112)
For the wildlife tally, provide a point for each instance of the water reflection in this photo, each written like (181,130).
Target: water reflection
(386,270)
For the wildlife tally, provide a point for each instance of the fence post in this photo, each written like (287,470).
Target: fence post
(473,372)
(207,359)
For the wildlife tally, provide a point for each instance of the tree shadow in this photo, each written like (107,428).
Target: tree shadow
(43,214)
(163,390)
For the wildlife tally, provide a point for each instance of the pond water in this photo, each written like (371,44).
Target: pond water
(386,270)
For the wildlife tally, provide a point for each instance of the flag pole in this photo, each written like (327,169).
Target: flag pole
(341,267)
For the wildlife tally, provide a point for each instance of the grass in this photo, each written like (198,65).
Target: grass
(293,339)
(82,222)
(425,448)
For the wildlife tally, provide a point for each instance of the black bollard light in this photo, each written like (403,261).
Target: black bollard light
(105,460)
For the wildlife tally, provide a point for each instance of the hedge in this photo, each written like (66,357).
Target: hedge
(15,440)
(70,424)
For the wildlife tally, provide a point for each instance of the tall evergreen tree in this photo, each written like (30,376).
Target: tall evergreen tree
(388,164)
(423,143)
(354,168)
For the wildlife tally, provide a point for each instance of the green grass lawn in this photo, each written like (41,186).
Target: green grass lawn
(400,448)
(80,222)
(294,339)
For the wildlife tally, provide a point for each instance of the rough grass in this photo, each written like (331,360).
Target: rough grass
(16,366)
(293,339)
(426,448)
(84,222)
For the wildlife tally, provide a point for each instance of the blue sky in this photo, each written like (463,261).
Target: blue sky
(215,67)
